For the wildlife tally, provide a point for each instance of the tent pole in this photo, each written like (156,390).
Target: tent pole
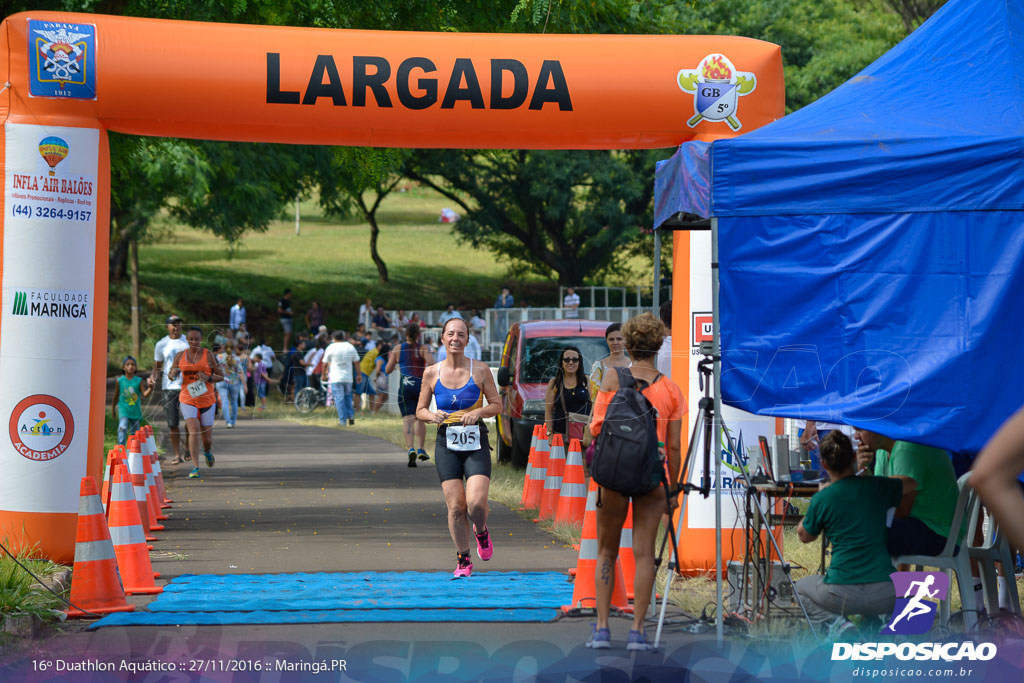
(717,428)
(657,272)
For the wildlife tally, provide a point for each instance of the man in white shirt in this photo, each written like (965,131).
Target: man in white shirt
(571,304)
(448,314)
(340,367)
(163,356)
(664,359)
(311,360)
(268,354)
(237,315)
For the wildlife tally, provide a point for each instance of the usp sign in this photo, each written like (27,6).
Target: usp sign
(703,328)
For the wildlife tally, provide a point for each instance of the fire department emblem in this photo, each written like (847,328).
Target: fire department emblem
(62,59)
(716,86)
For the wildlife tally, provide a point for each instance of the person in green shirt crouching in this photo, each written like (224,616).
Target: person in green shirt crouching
(128,393)
(853,512)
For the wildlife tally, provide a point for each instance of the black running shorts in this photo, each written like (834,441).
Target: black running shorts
(461,464)
(408,394)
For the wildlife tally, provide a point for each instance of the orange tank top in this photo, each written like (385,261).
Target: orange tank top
(188,376)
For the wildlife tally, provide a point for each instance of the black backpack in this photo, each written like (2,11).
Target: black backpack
(626,457)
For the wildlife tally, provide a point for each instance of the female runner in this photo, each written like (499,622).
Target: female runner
(199,370)
(461,451)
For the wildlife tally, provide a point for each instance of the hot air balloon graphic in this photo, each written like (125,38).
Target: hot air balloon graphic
(53,151)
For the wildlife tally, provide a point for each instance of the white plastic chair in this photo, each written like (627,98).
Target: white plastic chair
(955,558)
(994,548)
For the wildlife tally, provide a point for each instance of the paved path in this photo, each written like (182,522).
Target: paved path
(286,497)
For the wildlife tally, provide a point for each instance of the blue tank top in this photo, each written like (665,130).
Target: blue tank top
(466,397)
(410,362)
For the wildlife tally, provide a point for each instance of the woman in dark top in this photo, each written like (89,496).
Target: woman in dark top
(411,358)
(568,394)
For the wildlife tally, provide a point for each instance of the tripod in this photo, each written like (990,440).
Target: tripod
(704,424)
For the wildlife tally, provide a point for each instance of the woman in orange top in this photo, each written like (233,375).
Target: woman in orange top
(199,370)
(643,335)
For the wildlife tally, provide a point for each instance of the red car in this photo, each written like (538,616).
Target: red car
(528,362)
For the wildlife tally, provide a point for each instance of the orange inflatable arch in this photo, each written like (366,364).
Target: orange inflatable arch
(69,78)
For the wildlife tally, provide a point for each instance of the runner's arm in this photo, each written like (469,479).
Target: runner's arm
(172,374)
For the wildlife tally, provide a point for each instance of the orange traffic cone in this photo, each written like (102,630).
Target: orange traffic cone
(149,448)
(107,469)
(95,585)
(553,480)
(626,552)
(584,591)
(529,463)
(129,538)
(539,474)
(118,459)
(151,439)
(138,475)
(572,499)
(151,503)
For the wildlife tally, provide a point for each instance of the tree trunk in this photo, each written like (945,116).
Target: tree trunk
(382,269)
(136,324)
(119,242)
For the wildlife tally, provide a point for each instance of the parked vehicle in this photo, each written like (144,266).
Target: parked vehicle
(529,359)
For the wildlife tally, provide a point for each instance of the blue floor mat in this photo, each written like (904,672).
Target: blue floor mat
(362,590)
(325,617)
(353,597)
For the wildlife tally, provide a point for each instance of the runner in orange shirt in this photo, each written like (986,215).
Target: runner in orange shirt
(199,371)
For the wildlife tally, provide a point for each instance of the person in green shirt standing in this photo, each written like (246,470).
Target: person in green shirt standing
(922,527)
(852,511)
(128,393)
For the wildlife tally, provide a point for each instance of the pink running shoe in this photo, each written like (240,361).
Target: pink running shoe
(484,549)
(463,567)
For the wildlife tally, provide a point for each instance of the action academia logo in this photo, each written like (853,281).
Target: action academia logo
(62,60)
(41,427)
(716,86)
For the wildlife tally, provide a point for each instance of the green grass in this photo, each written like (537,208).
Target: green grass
(194,274)
(19,592)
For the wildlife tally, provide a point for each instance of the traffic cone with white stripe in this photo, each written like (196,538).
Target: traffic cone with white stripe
(151,500)
(540,472)
(158,470)
(584,590)
(572,499)
(138,476)
(95,585)
(129,538)
(626,551)
(553,480)
(529,463)
(108,470)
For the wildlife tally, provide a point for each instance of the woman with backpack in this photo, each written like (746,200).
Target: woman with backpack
(643,335)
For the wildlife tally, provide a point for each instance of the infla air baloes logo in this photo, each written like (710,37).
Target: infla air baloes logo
(716,86)
(914,613)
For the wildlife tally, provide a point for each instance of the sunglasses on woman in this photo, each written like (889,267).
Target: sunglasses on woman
(571,359)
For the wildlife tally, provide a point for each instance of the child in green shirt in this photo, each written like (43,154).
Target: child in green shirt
(128,393)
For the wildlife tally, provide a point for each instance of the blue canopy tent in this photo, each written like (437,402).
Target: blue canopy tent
(871,245)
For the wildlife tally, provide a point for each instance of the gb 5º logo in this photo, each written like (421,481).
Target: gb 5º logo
(716,86)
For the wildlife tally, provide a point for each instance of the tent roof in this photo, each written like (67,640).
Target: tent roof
(936,124)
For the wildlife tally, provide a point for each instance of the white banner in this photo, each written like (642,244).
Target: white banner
(46,324)
(701,511)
